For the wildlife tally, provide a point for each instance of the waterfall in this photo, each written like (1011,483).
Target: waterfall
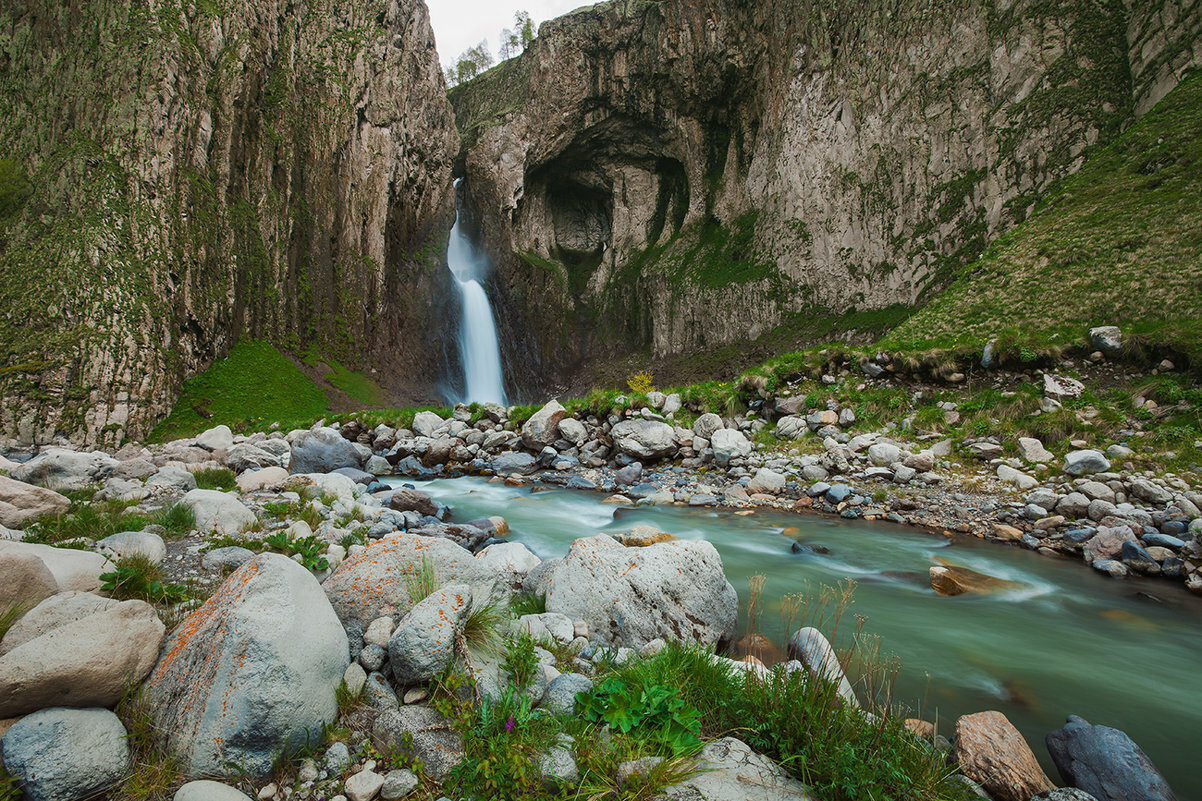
(479,348)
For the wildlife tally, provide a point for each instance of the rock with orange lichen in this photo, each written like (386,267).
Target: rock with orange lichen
(630,596)
(373,582)
(424,641)
(252,671)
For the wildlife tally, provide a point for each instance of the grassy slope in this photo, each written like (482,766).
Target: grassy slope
(1119,243)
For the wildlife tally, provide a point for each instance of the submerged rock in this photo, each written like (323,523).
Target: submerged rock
(991,751)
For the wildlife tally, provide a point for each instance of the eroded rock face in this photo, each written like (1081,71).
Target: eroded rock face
(744,134)
(254,668)
(631,596)
(276,170)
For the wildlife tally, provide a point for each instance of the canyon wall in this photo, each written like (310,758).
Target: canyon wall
(179,174)
(670,177)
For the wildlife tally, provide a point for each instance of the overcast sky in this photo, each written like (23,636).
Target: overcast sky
(460,24)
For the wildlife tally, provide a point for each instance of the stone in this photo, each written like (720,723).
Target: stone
(128,543)
(56,610)
(27,579)
(1096,491)
(1033,451)
(254,669)
(1085,462)
(360,477)
(427,424)
(205,790)
(766,480)
(338,758)
(949,580)
(543,426)
(82,663)
(706,425)
(645,439)
(883,454)
(218,438)
(229,558)
(354,677)
(398,784)
(1016,477)
(218,512)
(820,419)
(364,785)
(1075,505)
(21,503)
(246,456)
(1108,339)
(792,427)
(172,480)
(1150,492)
(61,754)
(573,431)
(1139,560)
(404,499)
(630,596)
(60,469)
(1111,567)
(991,751)
(323,451)
(267,478)
(372,583)
(728,445)
(1108,542)
(560,696)
(557,766)
(423,643)
(731,771)
(1105,763)
(1061,388)
(72,569)
(420,732)
(809,647)
(1063,794)
(506,464)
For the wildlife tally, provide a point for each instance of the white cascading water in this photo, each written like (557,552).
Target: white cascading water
(479,348)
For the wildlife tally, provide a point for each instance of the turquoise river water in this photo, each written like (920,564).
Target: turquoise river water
(1064,641)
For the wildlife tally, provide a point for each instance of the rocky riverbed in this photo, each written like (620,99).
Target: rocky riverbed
(257,666)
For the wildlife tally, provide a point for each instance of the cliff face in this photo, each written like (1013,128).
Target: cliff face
(177,175)
(667,177)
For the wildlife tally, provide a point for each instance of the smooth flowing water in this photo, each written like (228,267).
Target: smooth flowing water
(1064,641)
(479,348)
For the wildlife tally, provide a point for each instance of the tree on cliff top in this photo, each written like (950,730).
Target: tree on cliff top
(471,62)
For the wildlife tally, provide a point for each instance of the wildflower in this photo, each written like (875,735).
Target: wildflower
(509,724)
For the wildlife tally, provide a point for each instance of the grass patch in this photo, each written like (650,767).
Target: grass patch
(157,772)
(178,520)
(215,478)
(358,386)
(85,520)
(252,387)
(136,577)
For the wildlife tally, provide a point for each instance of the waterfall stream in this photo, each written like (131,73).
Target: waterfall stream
(479,348)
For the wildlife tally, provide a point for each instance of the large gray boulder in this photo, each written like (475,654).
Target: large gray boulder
(83,663)
(420,732)
(20,503)
(61,469)
(543,426)
(373,582)
(27,580)
(423,643)
(427,424)
(731,771)
(504,464)
(130,543)
(705,425)
(1086,462)
(217,438)
(510,561)
(252,671)
(250,456)
(218,511)
(62,754)
(573,430)
(1105,763)
(57,610)
(1107,338)
(321,451)
(631,596)
(72,569)
(728,445)
(172,479)
(644,439)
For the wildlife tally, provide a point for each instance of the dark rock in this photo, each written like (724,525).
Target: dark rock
(1138,559)
(356,475)
(630,474)
(1105,763)
(407,500)
(838,493)
(322,451)
(412,466)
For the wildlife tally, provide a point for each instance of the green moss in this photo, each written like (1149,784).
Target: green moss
(255,384)
(15,190)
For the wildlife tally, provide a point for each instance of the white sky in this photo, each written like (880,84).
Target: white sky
(460,24)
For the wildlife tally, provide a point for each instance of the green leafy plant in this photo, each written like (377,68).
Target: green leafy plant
(501,739)
(310,549)
(520,659)
(137,577)
(527,603)
(650,711)
(157,771)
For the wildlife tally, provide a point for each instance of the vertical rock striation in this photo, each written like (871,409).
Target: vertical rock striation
(177,175)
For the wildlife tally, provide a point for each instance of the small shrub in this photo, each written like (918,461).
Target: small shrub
(215,478)
(482,630)
(156,772)
(310,549)
(527,603)
(520,660)
(647,710)
(641,383)
(137,577)
(501,741)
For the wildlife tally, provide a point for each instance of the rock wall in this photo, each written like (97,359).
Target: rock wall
(676,176)
(175,175)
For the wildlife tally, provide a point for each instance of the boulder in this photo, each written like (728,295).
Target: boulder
(821,419)
(1016,477)
(267,478)
(61,469)
(57,610)
(991,752)
(219,512)
(205,790)
(1105,763)
(1073,506)
(218,438)
(644,439)
(253,670)
(323,450)
(1086,462)
(372,583)
(731,771)
(27,580)
(630,596)
(706,425)
(228,558)
(547,626)
(505,464)
(809,647)
(1107,543)
(408,500)
(423,643)
(792,427)
(172,479)
(1033,451)
(560,696)
(249,456)
(127,543)
(419,732)
(427,424)
(543,426)
(1106,338)
(883,454)
(1150,492)
(948,580)
(766,480)
(1061,388)
(62,754)
(1063,794)
(729,444)
(72,569)
(21,503)
(85,662)
(510,561)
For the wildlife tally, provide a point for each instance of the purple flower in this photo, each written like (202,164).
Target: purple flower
(509,724)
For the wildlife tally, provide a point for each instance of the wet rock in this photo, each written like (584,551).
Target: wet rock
(505,464)
(991,751)
(411,500)
(1105,763)
(949,580)
(811,648)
